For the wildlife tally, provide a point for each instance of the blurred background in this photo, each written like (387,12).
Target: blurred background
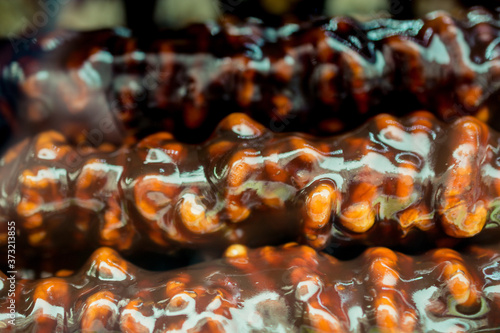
(27,17)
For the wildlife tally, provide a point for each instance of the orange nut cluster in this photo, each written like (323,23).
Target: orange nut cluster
(294,77)
(290,288)
(387,183)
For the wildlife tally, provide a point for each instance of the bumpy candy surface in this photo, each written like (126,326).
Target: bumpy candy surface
(96,172)
(320,77)
(391,182)
(287,289)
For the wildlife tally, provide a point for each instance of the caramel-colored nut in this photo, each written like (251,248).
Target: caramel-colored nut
(417,216)
(115,231)
(129,321)
(101,312)
(240,170)
(462,221)
(275,169)
(457,277)
(319,206)
(220,148)
(236,251)
(463,212)
(152,195)
(108,265)
(57,292)
(195,217)
(51,145)
(359,215)
(241,125)
(387,315)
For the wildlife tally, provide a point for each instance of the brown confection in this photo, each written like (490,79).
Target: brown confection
(319,77)
(391,182)
(287,289)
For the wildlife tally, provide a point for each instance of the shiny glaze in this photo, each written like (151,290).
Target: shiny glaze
(391,182)
(287,289)
(319,77)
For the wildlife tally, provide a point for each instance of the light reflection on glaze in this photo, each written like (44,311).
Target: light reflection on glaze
(295,77)
(391,182)
(285,289)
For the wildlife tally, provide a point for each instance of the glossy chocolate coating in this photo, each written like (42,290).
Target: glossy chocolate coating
(287,289)
(391,182)
(319,77)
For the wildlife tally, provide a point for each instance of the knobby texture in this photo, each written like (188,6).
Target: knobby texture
(391,182)
(287,289)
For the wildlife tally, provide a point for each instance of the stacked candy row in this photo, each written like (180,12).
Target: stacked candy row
(388,183)
(287,289)
(99,177)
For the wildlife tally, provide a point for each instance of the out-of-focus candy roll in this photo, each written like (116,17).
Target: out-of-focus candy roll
(322,76)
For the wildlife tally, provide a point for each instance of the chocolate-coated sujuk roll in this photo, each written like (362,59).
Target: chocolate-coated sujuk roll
(320,77)
(391,182)
(287,289)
